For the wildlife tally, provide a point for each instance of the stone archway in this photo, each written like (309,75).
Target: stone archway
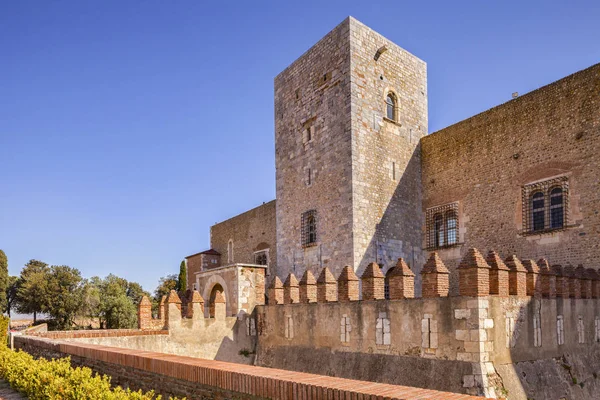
(217,289)
(213,281)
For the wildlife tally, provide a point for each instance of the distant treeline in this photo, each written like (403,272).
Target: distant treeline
(60,292)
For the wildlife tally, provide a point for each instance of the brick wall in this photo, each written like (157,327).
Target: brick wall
(484,161)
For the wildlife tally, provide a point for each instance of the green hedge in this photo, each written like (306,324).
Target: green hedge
(40,379)
(4,322)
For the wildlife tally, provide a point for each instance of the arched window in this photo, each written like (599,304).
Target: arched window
(546,205)
(557,213)
(390,101)
(538,212)
(451,228)
(438,229)
(442,226)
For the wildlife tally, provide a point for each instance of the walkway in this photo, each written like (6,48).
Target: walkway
(6,393)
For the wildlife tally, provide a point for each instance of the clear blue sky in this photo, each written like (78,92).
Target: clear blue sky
(128,128)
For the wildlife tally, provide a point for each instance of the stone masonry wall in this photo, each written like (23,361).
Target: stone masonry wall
(386,177)
(313,95)
(195,378)
(251,231)
(483,162)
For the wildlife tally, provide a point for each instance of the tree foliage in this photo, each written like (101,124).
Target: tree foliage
(63,295)
(113,300)
(3,280)
(11,293)
(182,281)
(165,285)
(31,292)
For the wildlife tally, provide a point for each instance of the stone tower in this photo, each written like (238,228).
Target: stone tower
(348,177)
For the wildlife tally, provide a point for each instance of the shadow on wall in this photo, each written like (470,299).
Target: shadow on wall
(551,332)
(398,233)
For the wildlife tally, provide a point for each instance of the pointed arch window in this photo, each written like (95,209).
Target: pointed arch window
(391,105)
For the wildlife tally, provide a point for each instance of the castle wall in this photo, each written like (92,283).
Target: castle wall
(386,172)
(316,345)
(313,95)
(491,345)
(483,162)
(249,232)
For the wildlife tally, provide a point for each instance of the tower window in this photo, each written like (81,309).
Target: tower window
(442,226)
(230,251)
(309,176)
(391,104)
(309,228)
(261,257)
(545,205)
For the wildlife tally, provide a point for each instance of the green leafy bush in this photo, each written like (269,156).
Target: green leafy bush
(4,322)
(41,379)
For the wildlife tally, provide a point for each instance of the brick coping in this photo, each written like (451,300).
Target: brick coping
(252,380)
(96,333)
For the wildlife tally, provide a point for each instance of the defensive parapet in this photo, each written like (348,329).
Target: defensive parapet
(509,312)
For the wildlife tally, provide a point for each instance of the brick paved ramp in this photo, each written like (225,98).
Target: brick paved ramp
(199,378)
(6,393)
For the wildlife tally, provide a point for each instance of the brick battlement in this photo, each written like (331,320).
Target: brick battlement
(196,378)
(479,276)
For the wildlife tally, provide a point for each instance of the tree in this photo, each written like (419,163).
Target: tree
(11,293)
(182,281)
(31,292)
(165,285)
(3,280)
(90,306)
(117,301)
(64,295)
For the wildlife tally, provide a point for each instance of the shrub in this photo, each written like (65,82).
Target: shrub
(41,379)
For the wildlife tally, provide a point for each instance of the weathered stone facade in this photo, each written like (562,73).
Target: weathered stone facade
(360,170)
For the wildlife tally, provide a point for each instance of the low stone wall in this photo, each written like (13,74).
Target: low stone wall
(101,333)
(194,378)
(209,338)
